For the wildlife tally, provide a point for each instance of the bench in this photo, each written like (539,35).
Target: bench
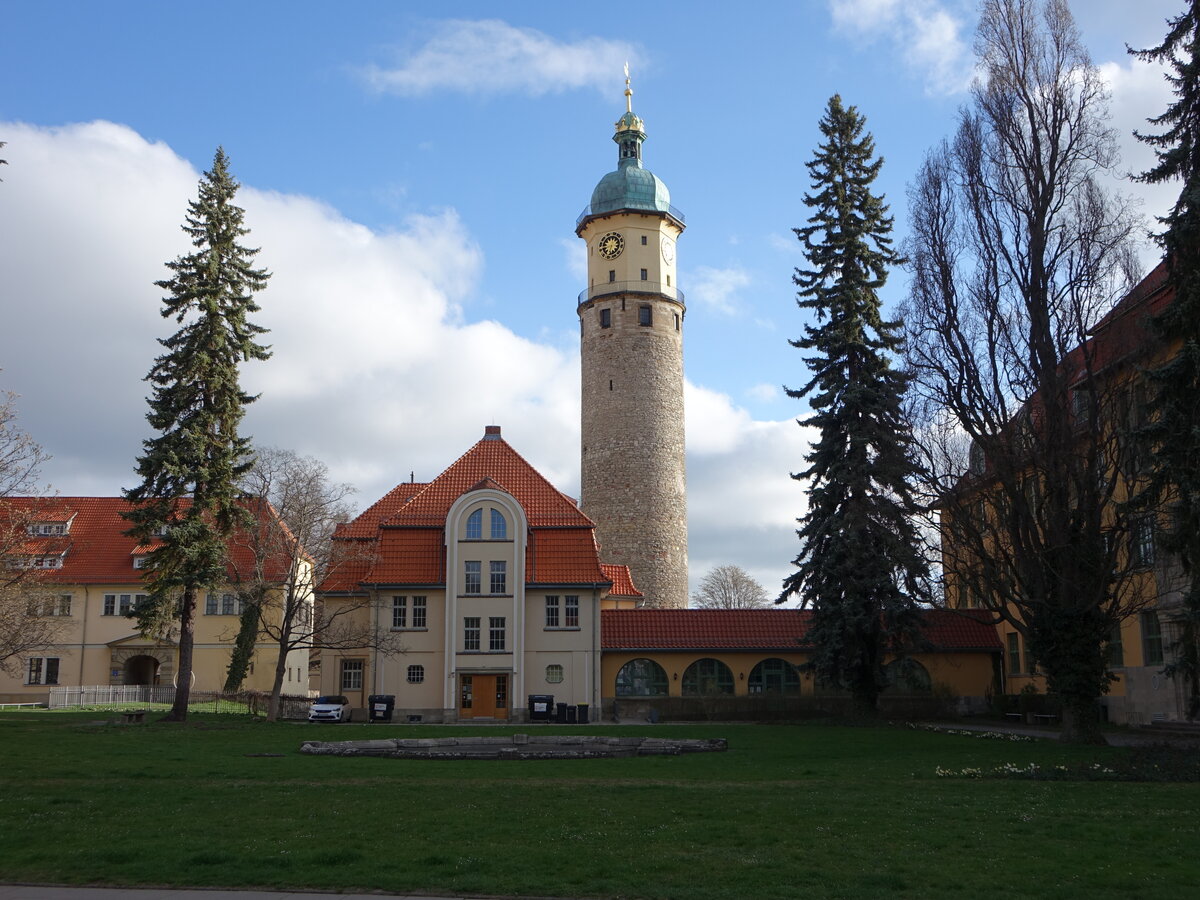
(1016,716)
(131,718)
(1045,718)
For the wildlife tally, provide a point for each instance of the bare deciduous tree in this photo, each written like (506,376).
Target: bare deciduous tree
(23,630)
(1016,254)
(297,509)
(730,587)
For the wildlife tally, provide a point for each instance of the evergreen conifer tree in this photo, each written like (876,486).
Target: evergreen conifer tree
(859,568)
(188,497)
(1175,421)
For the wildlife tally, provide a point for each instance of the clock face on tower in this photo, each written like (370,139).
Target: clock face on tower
(611,245)
(668,250)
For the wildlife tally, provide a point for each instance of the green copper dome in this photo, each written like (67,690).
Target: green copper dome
(630,187)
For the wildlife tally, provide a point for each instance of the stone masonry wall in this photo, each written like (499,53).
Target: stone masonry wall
(633,474)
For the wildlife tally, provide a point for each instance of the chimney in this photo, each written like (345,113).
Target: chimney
(491,432)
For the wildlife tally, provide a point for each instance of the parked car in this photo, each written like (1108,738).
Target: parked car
(330,708)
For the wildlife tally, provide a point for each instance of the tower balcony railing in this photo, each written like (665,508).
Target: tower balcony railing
(606,288)
(674,213)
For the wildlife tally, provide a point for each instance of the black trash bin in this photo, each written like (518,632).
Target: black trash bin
(583,714)
(572,714)
(381,707)
(541,707)
(561,718)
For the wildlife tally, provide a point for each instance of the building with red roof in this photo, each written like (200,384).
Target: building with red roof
(490,577)
(88,576)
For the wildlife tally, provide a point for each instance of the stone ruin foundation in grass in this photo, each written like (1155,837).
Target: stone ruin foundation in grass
(516,746)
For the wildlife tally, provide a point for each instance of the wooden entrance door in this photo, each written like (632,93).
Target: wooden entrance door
(483,696)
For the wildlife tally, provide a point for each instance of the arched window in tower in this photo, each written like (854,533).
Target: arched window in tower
(499,526)
(475,525)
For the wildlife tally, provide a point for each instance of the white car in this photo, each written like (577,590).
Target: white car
(330,708)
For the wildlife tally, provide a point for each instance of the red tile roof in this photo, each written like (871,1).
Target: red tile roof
(622,581)
(97,549)
(407,526)
(764,629)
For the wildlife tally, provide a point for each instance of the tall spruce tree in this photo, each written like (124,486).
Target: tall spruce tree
(859,568)
(1175,421)
(187,502)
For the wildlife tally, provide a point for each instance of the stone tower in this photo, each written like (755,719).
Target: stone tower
(631,333)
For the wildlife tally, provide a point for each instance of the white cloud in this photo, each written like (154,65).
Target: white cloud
(925,33)
(492,57)
(717,288)
(763,392)
(375,370)
(575,252)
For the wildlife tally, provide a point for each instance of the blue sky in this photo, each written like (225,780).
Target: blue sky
(413,172)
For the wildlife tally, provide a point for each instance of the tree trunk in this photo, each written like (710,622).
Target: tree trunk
(285,635)
(1081,722)
(183,676)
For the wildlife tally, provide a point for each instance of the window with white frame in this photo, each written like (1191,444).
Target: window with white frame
(419,612)
(552,619)
(43,670)
(416,674)
(122,604)
(140,561)
(472,576)
(554,674)
(571,611)
(499,526)
(499,576)
(399,612)
(352,674)
(496,633)
(475,525)
(52,606)
(471,632)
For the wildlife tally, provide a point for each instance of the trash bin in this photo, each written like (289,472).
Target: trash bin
(583,714)
(561,718)
(541,707)
(380,707)
(572,713)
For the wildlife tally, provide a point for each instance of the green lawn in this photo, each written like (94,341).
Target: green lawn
(789,811)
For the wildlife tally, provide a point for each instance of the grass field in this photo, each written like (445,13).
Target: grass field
(789,811)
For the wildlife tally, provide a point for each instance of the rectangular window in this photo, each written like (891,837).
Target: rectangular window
(499,573)
(43,670)
(472,573)
(612,275)
(1141,542)
(110,604)
(552,620)
(571,612)
(496,633)
(399,612)
(643,240)
(1114,652)
(645,316)
(606,318)
(644,275)
(471,633)
(64,605)
(1152,643)
(1014,653)
(419,608)
(210,604)
(228,605)
(352,674)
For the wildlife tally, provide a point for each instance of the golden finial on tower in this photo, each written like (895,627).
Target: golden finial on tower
(628,90)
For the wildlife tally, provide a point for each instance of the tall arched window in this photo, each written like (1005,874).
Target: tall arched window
(499,526)
(707,676)
(475,525)
(641,678)
(774,676)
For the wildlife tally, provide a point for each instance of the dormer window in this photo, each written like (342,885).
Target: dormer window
(48,529)
(140,562)
(48,562)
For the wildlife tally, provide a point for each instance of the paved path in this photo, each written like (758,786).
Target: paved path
(52,892)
